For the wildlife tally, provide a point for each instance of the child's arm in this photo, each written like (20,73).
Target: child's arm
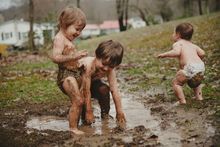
(175,52)
(116,97)
(57,51)
(200,52)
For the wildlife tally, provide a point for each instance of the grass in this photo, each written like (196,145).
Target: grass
(34,88)
(30,66)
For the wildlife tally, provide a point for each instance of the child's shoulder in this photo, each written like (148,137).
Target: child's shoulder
(59,37)
(178,44)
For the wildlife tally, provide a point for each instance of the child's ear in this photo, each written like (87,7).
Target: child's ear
(178,36)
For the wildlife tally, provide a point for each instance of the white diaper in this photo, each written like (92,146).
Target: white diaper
(190,70)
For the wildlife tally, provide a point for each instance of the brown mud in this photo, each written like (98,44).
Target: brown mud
(151,121)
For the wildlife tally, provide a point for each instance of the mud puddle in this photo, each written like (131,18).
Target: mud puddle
(136,114)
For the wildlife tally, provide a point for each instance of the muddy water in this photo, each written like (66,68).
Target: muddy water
(136,115)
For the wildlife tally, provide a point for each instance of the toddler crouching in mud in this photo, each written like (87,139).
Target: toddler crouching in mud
(190,57)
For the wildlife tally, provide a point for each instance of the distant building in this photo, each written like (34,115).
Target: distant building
(15,32)
(136,22)
(90,30)
(108,27)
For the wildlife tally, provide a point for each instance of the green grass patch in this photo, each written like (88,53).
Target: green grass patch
(30,66)
(32,88)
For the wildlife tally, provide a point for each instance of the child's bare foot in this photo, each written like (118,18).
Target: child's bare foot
(77,131)
(182,101)
(197,98)
(178,103)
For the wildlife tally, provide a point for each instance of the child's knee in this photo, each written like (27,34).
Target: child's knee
(174,82)
(104,90)
(177,83)
(78,102)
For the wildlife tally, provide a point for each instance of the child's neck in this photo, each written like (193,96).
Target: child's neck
(183,40)
(64,34)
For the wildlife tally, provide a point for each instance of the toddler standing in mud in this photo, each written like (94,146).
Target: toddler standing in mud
(190,57)
(71,22)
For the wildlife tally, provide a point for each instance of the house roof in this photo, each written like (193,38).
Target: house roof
(110,24)
(92,26)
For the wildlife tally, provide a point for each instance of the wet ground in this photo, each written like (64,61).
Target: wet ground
(150,122)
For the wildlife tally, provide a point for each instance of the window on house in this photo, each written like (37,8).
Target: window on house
(24,35)
(11,35)
(7,35)
(2,36)
(19,35)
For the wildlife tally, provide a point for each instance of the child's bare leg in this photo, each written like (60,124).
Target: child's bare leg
(178,82)
(71,87)
(198,92)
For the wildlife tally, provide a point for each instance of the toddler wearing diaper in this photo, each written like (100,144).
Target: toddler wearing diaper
(190,57)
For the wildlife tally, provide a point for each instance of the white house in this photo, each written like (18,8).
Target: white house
(136,22)
(15,32)
(90,30)
(109,26)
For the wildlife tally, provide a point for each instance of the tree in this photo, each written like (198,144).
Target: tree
(187,8)
(142,12)
(217,5)
(122,13)
(31,32)
(78,3)
(207,6)
(200,7)
(165,11)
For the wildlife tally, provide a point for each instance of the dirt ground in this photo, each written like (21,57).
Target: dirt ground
(151,121)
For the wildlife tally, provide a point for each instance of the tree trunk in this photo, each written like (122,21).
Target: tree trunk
(78,3)
(188,7)
(122,11)
(207,6)
(126,14)
(217,5)
(31,19)
(200,7)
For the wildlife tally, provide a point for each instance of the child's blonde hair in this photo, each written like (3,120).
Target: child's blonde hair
(71,15)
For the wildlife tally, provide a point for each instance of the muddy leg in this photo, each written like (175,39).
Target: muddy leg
(104,100)
(178,82)
(71,87)
(100,91)
(83,114)
(198,92)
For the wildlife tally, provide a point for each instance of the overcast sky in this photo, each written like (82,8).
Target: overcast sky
(5,4)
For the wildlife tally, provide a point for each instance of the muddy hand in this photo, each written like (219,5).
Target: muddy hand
(89,117)
(160,56)
(83,53)
(120,117)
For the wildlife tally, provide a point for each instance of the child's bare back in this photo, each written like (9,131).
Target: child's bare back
(188,52)
(191,63)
